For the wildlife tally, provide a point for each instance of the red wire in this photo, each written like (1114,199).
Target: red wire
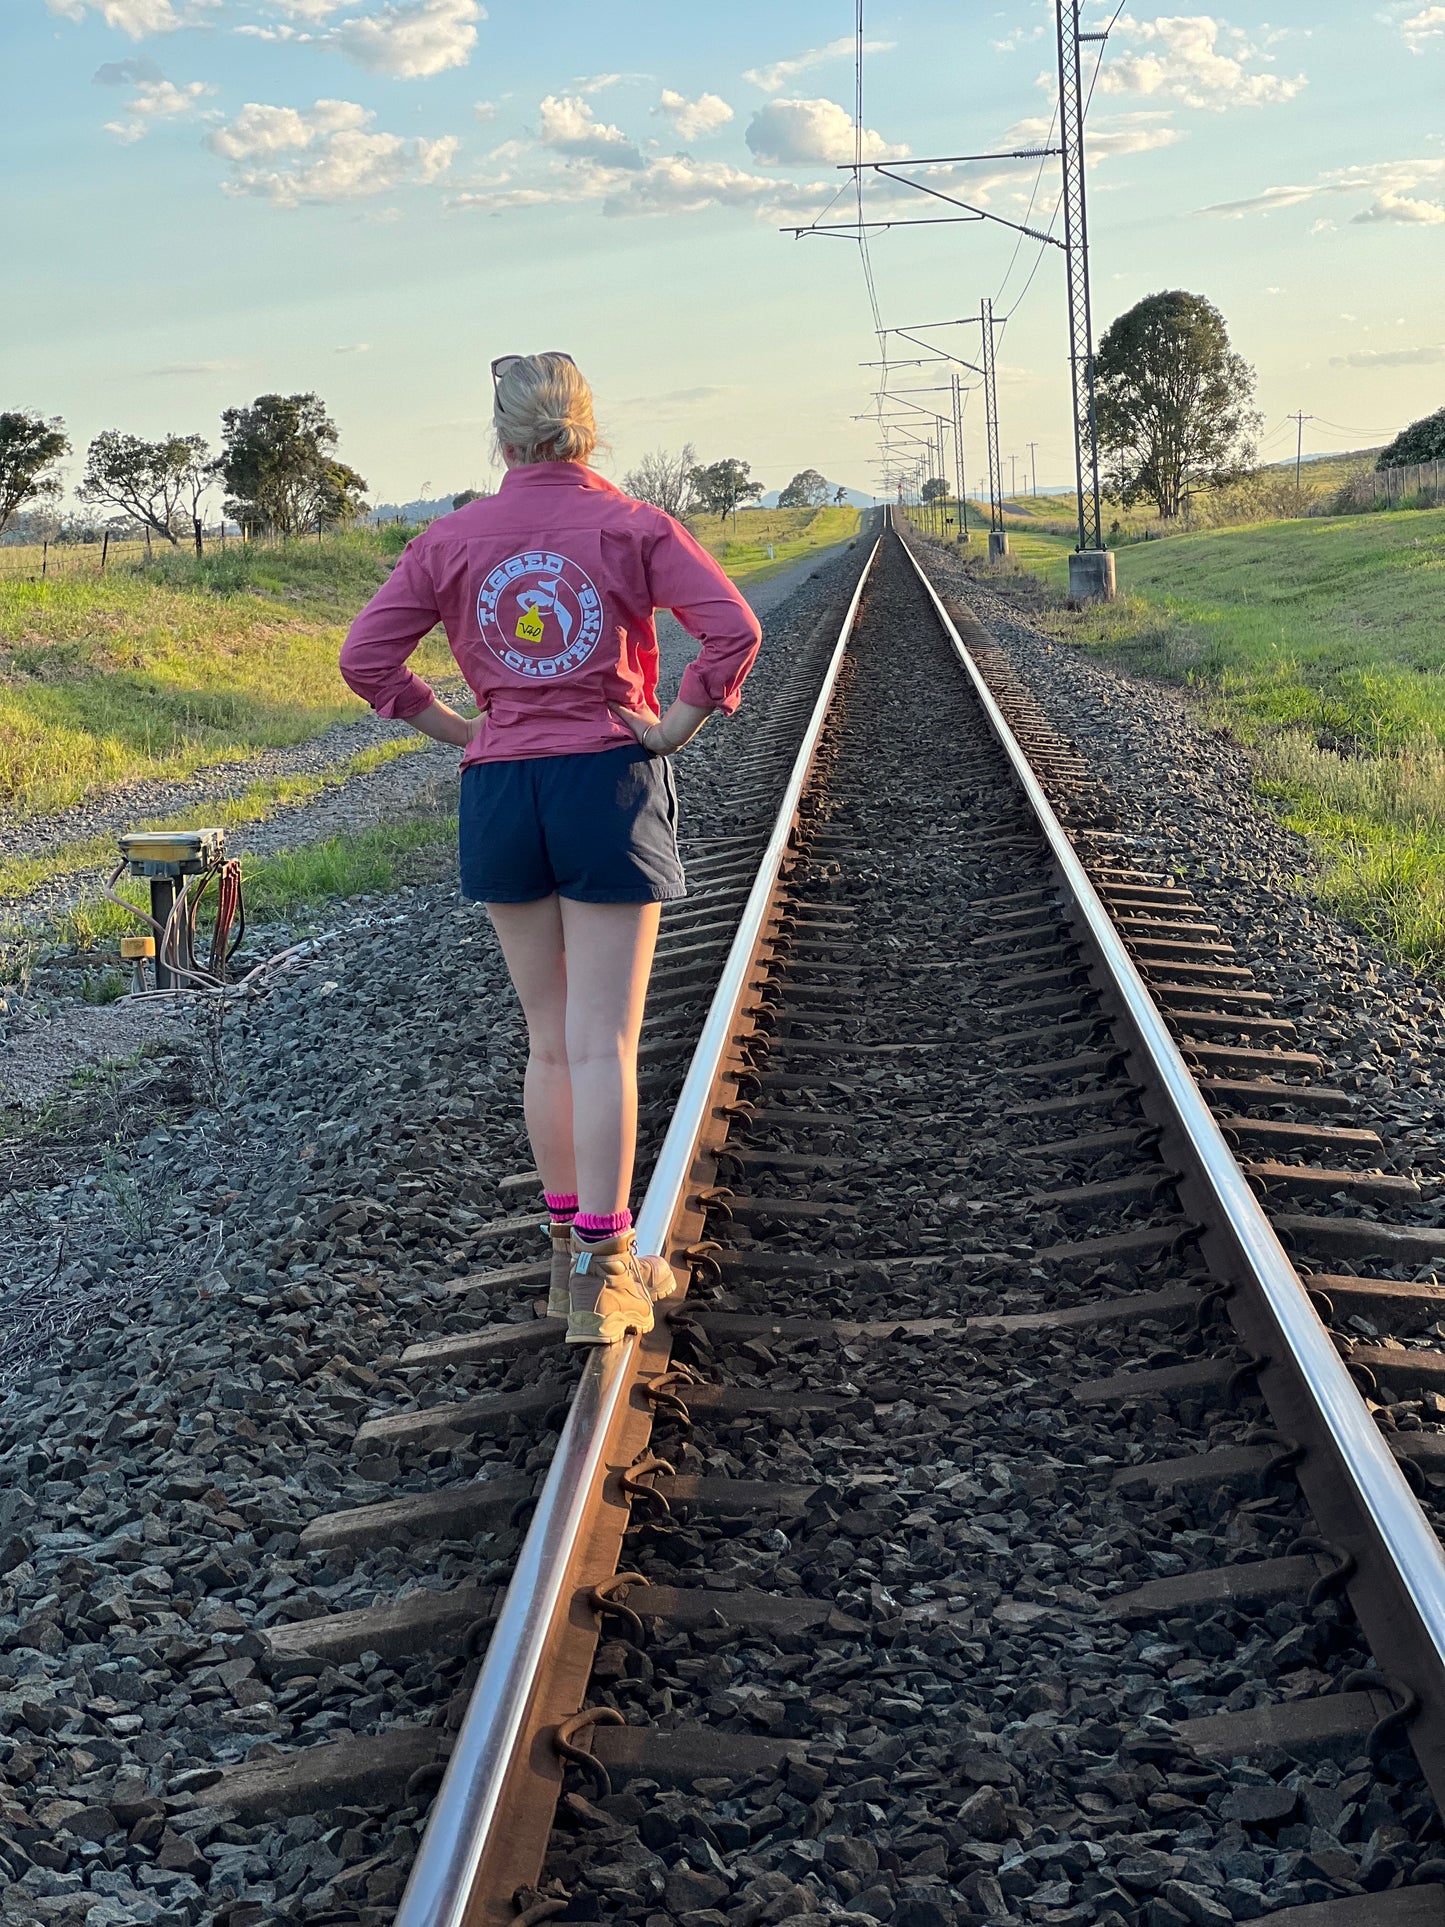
(228,900)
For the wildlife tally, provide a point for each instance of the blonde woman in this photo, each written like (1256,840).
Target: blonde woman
(568,813)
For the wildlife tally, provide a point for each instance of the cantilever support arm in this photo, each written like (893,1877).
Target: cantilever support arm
(979,213)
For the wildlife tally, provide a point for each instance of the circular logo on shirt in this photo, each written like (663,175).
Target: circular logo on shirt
(539,614)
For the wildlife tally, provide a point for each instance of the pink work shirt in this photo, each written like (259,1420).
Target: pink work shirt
(547,591)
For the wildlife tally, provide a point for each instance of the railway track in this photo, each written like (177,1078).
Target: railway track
(1001,1527)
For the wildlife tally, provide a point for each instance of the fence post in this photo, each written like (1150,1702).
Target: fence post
(196,523)
(104,549)
(44,558)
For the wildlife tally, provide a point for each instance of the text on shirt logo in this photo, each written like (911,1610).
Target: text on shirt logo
(539,614)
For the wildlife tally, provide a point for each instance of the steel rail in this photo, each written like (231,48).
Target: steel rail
(1376,1486)
(439,1892)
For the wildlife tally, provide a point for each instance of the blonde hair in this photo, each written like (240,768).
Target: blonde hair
(542,411)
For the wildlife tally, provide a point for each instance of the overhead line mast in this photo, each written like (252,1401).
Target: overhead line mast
(1091,567)
(1091,570)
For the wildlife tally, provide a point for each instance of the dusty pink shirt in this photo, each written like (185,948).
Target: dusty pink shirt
(547,591)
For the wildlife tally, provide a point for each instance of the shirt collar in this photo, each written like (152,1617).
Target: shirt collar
(555,474)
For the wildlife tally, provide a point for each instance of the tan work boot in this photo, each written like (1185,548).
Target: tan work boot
(611,1289)
(558,1297)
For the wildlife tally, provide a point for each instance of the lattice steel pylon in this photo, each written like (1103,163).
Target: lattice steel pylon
(1076,267)
(990,421)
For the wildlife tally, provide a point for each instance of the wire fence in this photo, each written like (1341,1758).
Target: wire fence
(43,561)
(1415,485)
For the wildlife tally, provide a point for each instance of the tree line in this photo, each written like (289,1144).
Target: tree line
(676,482)
(277,467)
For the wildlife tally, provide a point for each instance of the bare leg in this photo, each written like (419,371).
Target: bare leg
(609,960)
(531,938)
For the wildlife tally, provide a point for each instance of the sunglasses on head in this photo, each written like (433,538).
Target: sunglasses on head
(504,362)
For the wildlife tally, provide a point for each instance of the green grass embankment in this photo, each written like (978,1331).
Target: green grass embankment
(152,670)
(740,543)
(1321,644)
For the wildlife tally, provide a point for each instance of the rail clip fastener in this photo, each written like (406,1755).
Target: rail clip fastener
(564,1737)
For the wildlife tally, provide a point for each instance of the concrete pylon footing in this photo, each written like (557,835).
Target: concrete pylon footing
(998,545)
(1091,575)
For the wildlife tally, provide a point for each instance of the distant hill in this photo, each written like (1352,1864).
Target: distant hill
(855,498)
(417,511)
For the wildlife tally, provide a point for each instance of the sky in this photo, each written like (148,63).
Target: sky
(212,199)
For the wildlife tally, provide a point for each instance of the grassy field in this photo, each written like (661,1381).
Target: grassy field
(1320,644)
(151,671)
(740,542)
(1267,495)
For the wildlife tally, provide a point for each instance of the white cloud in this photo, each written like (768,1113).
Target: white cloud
(134,17)
(1388,182)
(353,348)
(673,184)
(694,118)
(485,110)
(309,9)
(1195,59)
(569,126)
(1137,133)
(1405,209)
(793,131)
(772,79)
(1423,26)
(259,130)
(413,40)
(678,185)
(1391,358)
(1015,39)
(156,100)
(594,83)
(171,369)
(343,161)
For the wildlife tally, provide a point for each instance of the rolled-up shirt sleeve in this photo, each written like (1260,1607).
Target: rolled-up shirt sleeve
(685,578)
(378,643)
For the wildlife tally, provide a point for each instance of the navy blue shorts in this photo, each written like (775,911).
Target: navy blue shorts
(599,828)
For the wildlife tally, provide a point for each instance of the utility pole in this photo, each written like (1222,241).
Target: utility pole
(997,536)
(1013,476)
(1299,418)
(1091,568)
(1034,465)
(959,477)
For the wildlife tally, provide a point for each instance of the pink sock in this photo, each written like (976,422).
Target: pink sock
(562,1206)
(588,1225)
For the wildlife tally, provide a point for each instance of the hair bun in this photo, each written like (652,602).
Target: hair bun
(542,410)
